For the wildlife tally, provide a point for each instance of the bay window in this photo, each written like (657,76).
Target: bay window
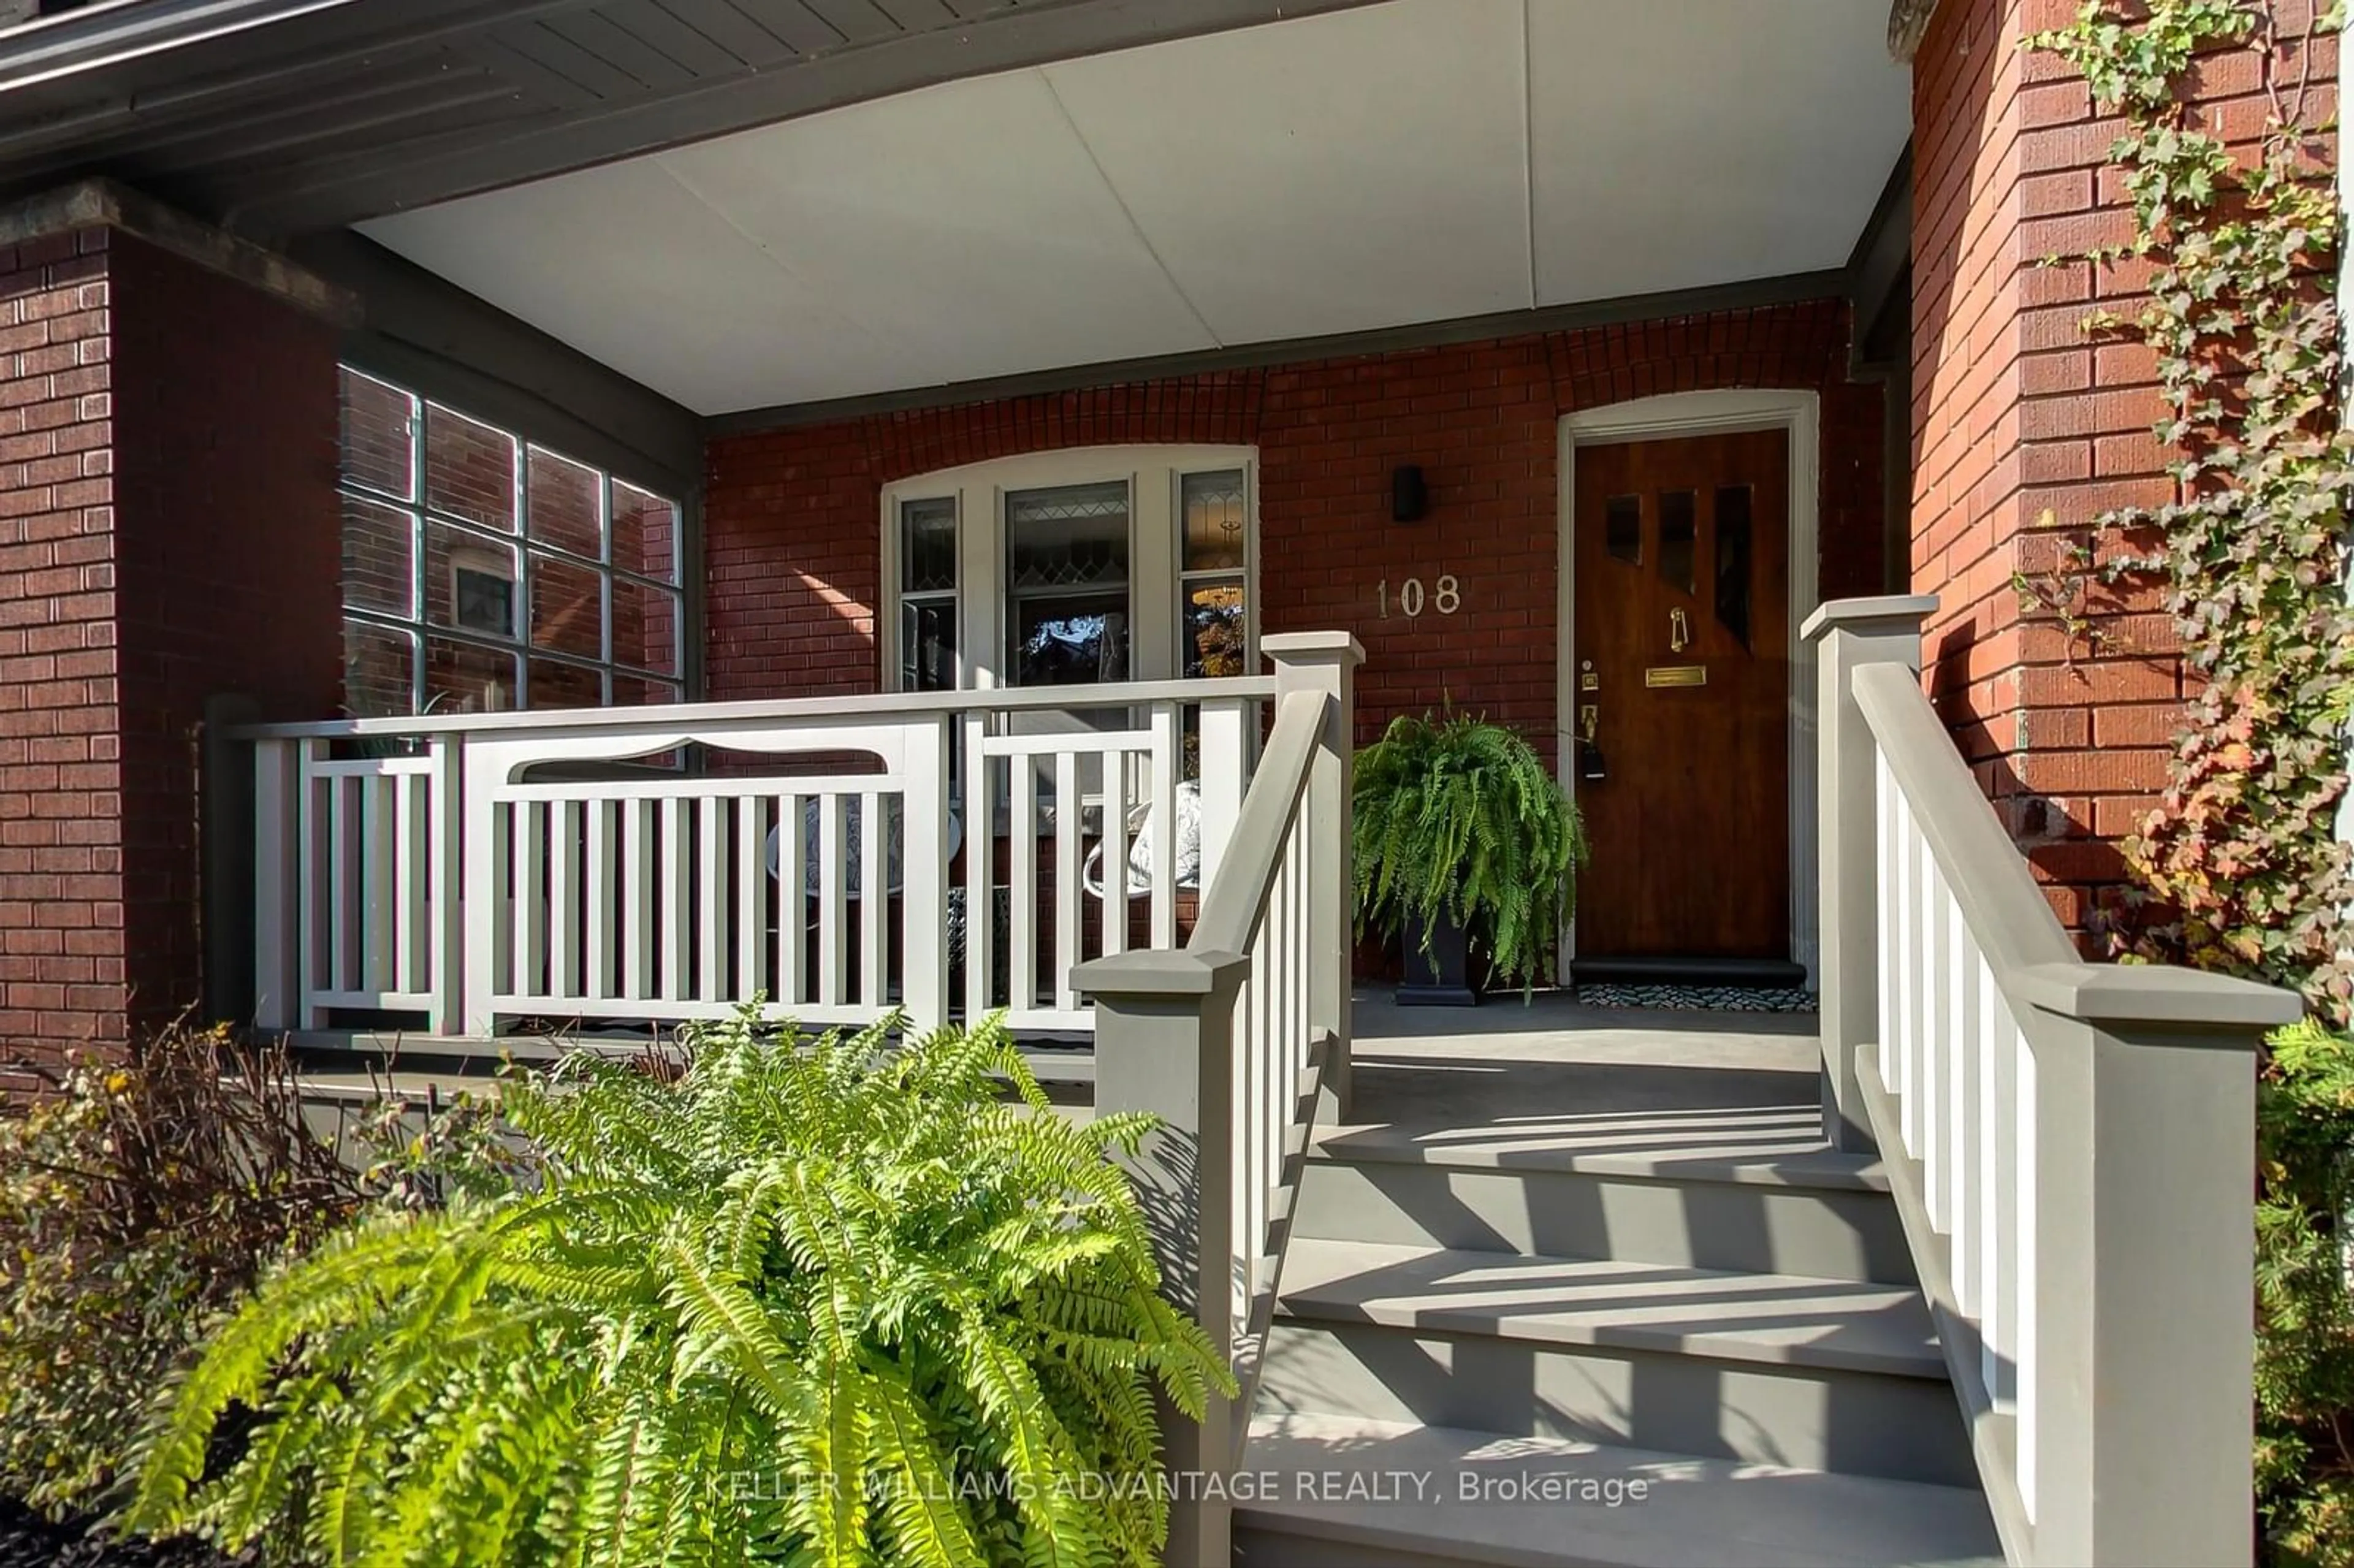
(1073,568)
(483,572)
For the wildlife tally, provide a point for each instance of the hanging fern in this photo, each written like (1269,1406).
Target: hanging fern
(828,1304)
(1457,817)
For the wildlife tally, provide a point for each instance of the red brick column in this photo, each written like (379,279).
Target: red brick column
(2017,415)
(168,531)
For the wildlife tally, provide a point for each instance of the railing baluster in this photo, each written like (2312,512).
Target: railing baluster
(564,936)
(1935,1045)
(602,900)
(1066,878)
(380,824)
(410,939)
(833,902)
(1022,883)
(751,897)
(1114,848)
(979,848)
(528,977)
(641,861)
(1163,818)
(711,904)
(344,890)
(674,891)
(793,900)
(874,898)
(1969,1100)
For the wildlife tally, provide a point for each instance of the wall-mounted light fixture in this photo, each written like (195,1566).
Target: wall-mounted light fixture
(1409,497)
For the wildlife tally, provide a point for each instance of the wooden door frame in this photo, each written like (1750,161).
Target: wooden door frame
(1798,415)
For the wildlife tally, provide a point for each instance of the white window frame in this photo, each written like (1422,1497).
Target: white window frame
(1156,545)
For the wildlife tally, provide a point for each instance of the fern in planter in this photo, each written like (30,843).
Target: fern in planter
(835,1304)
(1458,818)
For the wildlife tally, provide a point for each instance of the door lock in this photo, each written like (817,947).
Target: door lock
(1678,631)
(1589,745)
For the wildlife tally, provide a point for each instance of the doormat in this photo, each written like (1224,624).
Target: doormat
(1701,998)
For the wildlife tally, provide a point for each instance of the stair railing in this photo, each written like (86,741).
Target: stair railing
(1239,1042)
(2071,1144)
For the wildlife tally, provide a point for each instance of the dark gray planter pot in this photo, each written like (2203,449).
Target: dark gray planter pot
(1450,949)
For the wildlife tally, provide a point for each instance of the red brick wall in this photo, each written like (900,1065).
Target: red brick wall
(2015,414)
(791,517)
(167,531)
(227,553)
(62,971)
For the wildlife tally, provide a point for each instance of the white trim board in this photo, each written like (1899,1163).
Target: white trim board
(1798,414)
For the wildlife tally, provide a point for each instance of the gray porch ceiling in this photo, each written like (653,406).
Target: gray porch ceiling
(281,117)
(1361,169)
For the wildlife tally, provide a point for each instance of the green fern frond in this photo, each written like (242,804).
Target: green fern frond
(833,1302)
(1459,820)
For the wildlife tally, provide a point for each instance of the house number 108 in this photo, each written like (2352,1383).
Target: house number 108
(1446,596)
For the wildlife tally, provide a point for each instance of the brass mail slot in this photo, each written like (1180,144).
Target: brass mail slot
(1676,675)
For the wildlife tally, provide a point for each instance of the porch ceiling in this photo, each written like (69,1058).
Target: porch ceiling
(1407,162)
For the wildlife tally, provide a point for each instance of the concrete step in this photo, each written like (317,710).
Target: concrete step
(1812,1374)
(1743,1188)
(1349,1492)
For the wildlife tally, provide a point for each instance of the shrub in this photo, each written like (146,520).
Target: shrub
(824,1302)
(2305,1326)
(1457,817)
(136,1197)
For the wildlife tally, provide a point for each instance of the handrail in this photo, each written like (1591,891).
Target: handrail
(2013,922)
(1237,1044)
(2068,1144)
(665,716)
(1235,900)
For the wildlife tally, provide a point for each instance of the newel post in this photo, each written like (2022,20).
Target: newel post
(1327,661)
(1165,1044)
(1848,634)
(2143,1238)
(226,826)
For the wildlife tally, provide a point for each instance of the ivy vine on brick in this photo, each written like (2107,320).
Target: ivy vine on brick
(2240,864)
(2241,856)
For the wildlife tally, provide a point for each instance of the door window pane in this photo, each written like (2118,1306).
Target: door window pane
(1678,530)
(1622,528)
(1067,573)
(1214,521)
(1734,569)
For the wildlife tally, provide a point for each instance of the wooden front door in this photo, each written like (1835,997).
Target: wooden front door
(1681,676)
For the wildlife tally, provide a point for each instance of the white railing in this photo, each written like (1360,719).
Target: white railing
(2070,1144)
(1239,1045)
(649,865)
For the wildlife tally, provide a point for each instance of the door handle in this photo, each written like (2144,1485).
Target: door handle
(1678,631)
